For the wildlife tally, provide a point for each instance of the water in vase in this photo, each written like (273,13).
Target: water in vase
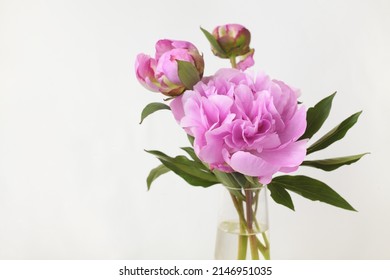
(228,241)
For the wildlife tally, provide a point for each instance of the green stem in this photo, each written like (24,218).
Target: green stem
(263,249)
(233,61)
(265,239)
(239,208)
(243,238)
(263,234)
(249,217)
(248,223)
(254,249)
(242,244)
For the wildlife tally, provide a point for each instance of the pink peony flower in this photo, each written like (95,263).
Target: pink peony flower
(161,73)
(245,124)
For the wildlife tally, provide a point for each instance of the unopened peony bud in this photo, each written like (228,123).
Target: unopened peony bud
(234,40)
(161,73)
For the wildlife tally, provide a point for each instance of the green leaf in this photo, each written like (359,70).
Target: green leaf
(193,172)
(333,163)
(190,151)
(254,181)
(241,180)
(155,173)
(213,41)
(312,189)
(226,179)
(151,108)
(188,73)
(191,139)
(230,183)
(280,195)
(335,134)
(317,115)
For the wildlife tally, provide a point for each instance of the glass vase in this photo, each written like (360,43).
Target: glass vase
(243,224)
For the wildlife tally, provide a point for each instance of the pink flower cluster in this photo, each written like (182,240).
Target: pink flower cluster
(242,123)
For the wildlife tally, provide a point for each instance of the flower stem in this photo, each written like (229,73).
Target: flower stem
(233,61)
(263,249)
(243,238)
(247,219)
(242,244)
(265,239)
(254,249)
(249,216)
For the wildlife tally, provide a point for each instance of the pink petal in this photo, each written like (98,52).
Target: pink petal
(295,127)
(229,74)
(266,179)
(184,45)
(289,169)
(223,103)
(144,65)
(163,46)
(249,164)
(246,61)
(167,68)
(211,152)
(244,100)
(177,107)
(289,156)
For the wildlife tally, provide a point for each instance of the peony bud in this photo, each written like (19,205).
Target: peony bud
(161,73)
(233,39)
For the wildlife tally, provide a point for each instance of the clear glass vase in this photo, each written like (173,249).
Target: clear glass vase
(243,224)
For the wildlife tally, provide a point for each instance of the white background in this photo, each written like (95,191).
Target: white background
(72,165)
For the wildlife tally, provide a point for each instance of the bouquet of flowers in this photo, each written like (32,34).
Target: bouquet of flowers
(243,129)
